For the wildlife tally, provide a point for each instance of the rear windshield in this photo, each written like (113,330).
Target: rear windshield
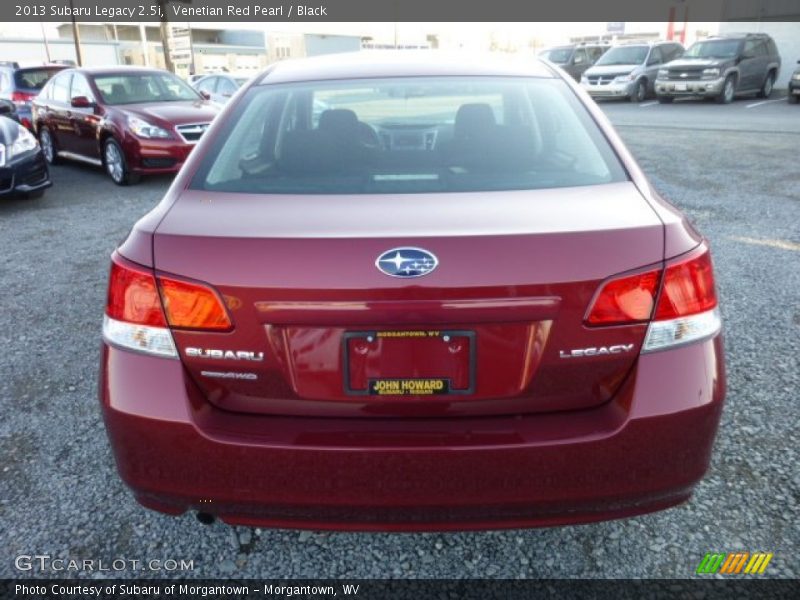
(136,88)
(407,135)
(559,56)
(33,79)
(624,55)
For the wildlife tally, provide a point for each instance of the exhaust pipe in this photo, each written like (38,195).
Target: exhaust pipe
(206,518)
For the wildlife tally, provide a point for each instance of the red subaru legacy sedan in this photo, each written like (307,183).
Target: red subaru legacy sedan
(132,121)
(411,293)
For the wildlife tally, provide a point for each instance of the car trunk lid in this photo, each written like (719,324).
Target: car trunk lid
(319,330)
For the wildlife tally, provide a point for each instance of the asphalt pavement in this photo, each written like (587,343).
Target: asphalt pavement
(733,169)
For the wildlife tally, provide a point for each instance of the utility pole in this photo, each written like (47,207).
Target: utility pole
(76,36)
(162,5)
(46,43)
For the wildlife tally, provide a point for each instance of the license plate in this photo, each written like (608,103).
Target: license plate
(422,362)
(680,87)
(408,387)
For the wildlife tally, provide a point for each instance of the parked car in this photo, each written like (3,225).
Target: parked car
(194,77)
(794,86)
(132,121)
(629,70)
(452,300)
(219,88)
(8,109)
(575,58)
(22,84)
(23,169)
(721,68)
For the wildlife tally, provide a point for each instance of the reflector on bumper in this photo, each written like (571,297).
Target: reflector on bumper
(142,338)
(683,330)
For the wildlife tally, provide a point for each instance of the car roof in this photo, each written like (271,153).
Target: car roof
(737,35)
(116,70)
(404,63)
(13,66)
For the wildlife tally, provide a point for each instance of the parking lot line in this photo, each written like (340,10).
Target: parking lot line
(646,104)
(763,102)
(782,244)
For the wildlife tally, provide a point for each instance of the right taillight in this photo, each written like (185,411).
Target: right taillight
(687,308)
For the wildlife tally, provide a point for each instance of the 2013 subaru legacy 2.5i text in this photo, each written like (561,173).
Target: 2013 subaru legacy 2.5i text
(411,293)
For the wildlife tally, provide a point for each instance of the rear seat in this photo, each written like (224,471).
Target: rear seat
(331,148)
(480,144)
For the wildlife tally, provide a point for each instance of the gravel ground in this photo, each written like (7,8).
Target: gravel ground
(60,495)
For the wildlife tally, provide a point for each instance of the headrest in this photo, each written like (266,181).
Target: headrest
(472,119)
(118,91)
(339,121)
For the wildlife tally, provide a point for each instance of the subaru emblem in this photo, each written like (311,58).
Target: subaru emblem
(406,262)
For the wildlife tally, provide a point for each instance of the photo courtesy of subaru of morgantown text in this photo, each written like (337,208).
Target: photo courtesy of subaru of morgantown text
(403,292)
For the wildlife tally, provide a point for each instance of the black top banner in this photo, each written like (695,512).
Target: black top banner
(399,10)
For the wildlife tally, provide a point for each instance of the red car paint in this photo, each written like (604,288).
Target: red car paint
(567,422)
(79,132)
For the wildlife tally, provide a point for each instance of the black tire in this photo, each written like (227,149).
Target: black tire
(767,87)
(666,99)
(115,165)
(728,91)
(48,145)
(639,93)
(791,98)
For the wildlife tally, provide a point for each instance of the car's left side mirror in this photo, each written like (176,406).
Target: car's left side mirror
(205,95)
(81,102)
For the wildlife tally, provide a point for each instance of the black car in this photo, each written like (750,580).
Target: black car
(22,84)
(575,58)
(23,169)
(794,86)
(721,68)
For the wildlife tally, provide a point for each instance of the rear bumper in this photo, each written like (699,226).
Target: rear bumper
(641,452)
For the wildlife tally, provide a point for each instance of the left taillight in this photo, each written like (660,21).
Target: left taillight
(134,316)
(22,98)
(193,305)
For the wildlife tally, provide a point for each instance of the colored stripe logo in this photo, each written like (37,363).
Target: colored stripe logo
(734,563)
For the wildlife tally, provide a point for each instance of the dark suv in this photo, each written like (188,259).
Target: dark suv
(22,84)
(575,58)
(721,68)
(794,86)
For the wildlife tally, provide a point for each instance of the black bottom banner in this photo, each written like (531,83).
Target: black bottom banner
(255,589)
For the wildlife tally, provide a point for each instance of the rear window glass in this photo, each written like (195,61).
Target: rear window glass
(33,79)
(558,55)
(408,135)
